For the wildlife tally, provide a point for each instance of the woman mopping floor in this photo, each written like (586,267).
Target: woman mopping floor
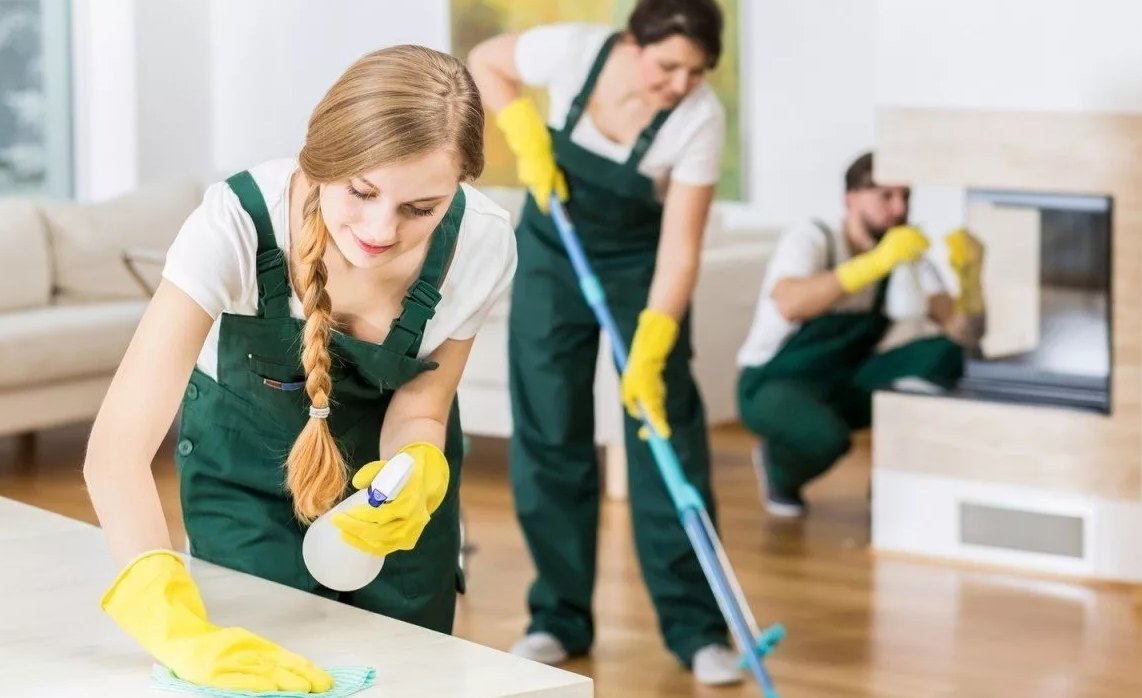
(632,142)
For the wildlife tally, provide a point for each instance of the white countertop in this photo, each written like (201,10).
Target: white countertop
(56,643)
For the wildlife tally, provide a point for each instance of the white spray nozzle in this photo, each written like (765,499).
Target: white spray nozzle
(391,479)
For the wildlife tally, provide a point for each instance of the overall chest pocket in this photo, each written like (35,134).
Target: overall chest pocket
(275,374)
(279,388)
(278,375)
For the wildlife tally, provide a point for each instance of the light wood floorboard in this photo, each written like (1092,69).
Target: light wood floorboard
(859,624)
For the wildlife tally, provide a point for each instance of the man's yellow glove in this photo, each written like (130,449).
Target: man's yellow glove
(642,381)
(397,525)
(901,244)
(965,255)
(527,136)
(154,599)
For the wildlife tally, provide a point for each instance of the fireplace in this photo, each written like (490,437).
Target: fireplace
(1047,284)
(1044,444)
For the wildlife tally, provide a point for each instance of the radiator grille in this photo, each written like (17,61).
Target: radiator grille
(1028,531)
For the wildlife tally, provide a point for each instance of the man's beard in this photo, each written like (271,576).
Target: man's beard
(877,233)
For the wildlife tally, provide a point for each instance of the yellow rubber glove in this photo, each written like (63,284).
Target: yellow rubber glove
(157,603)
(397,525)
(642,381)
(901,244)
(965,254)
(527,136)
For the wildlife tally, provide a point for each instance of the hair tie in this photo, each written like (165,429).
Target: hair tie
(318,412)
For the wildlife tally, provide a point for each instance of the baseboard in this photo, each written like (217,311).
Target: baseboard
(1008,526)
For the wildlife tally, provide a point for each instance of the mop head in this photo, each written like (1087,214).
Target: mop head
(766,642)
(347,680)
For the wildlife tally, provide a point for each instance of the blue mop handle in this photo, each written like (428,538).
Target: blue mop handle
(684,495)
(686,499)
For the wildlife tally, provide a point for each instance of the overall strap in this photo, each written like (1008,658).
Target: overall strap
(882,294)
(579,104)
(419,304)
(273,272)
(646,138)
(830,244)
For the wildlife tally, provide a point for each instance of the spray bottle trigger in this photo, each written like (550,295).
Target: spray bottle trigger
(391,479)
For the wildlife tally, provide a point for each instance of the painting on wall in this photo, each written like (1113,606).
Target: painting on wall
(476,20)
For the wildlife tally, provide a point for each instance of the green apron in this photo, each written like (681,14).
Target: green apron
(817,389)
(552,349)
(236,432)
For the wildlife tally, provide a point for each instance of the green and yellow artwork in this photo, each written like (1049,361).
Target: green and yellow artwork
(476,20)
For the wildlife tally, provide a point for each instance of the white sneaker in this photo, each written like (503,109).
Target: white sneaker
(786,505)
(913,384)
(540,647)
(717,665)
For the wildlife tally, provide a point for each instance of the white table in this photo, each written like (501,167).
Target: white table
(56,643)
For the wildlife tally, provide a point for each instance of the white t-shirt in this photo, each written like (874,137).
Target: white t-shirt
(688,147)
(213,260)
(803,251)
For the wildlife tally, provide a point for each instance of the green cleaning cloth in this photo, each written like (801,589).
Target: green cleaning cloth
(347,680)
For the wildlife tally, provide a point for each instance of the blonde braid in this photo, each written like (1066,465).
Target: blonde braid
(393,104)
(316,470)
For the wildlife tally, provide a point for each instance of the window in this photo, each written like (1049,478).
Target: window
(35,99)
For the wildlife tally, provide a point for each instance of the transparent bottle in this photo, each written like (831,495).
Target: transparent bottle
(333,562)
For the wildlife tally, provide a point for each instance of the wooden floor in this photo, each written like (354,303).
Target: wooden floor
(858,624)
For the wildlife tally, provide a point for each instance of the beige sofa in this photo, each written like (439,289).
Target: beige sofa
(68,303)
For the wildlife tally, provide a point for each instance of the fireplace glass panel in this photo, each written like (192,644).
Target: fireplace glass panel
(1047,287)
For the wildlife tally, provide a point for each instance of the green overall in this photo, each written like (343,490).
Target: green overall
(236,432)
(552,349)
(817,389)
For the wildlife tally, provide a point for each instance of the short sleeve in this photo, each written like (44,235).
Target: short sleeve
(700,162)
(489,276)
(800,252)
(546,53)
(211,257)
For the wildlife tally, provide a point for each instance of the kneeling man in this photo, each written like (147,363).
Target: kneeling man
(813,355)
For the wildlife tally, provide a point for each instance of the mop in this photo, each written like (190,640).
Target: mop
(751,643)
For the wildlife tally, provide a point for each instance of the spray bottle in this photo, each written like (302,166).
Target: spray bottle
(333,562)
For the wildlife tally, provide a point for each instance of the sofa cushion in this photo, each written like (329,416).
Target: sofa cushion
(57,343)
(25,266)
(88,240)
(511,199)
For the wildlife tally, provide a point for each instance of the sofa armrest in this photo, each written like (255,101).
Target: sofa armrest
(135,258)
(723,309)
